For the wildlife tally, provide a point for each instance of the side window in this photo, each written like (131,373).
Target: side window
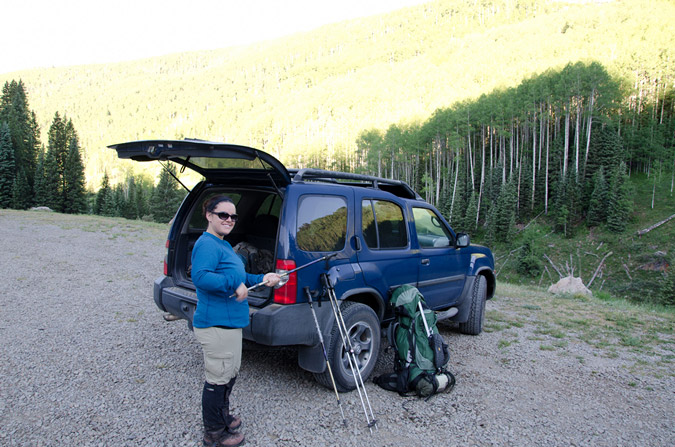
(322,223)
(383,225)
(271,206)
(430,229)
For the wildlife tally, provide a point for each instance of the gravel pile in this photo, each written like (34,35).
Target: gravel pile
(86,359)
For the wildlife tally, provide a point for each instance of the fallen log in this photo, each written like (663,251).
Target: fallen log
(554,266)
(598,269)
(656,225)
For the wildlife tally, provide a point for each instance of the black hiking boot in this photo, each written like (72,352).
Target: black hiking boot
(222,438)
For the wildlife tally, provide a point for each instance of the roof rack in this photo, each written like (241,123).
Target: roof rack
(396,187)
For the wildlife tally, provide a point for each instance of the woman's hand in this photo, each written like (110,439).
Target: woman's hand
(241,292)
(271,279)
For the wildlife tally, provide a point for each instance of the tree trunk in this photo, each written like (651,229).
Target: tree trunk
(470,158)
(577,131)
(503,145)
(590,124)
(567,141)
(482,174)
(534,156)
(454,188)
(438,173)
(513,133)
(548,140)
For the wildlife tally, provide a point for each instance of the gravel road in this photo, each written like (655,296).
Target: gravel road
(87,360)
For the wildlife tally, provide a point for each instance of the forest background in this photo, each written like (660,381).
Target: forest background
(542,127)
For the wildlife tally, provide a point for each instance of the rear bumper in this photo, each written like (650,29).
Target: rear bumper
(272,325)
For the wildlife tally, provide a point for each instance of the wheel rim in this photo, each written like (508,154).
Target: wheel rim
(361,337)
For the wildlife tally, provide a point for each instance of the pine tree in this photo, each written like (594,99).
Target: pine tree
(166,197)
(74,193)
(469,221)
(7,166)
(51,182)
(491,225)
(597,207)
(529,257)
(109,206)
(141,200)
(21,196)
(620,203)
(505,213)
(102,195)
(667,289)
(25,134)
(40,198)
(564,200)
(118,200)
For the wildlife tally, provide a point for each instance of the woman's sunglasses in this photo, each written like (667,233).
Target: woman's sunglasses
(225,216)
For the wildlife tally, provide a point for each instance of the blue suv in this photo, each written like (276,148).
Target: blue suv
(381,232)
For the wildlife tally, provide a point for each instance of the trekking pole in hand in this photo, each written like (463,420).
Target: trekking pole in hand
(286,274)
(325,356)
(349,348)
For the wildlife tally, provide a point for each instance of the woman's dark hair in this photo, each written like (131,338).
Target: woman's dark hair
(209,205)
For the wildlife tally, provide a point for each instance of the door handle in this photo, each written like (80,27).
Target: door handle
(425,261)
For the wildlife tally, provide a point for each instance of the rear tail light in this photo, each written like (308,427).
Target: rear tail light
(166,265)
(287,293)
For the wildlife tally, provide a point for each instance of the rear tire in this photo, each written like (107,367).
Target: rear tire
(363,328)
(474,325)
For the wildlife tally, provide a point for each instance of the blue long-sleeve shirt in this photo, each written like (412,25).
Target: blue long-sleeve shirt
(216,273)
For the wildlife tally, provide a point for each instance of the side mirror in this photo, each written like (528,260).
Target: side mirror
(462,240)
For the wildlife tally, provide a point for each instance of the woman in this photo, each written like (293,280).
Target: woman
(222,311)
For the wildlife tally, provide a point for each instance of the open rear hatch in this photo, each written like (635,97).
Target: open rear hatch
(212,160)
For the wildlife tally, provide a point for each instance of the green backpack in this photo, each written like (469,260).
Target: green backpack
(421,355)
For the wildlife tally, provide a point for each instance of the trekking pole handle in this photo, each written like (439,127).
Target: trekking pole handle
(322,258)
(424,319)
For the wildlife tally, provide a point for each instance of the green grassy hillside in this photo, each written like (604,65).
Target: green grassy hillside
(309,95)
(636,267)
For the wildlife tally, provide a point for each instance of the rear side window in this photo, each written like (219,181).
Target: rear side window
(322,223)
(383,225)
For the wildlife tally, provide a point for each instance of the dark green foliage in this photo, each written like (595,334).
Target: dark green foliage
(129,206)
(118,199)
(51,182)
(103,191)
(666,293)
(74,190)
(7,166)
(491,226)
(597,207)
(606,149)
(469,221)
(59,166)
(620,203)
(530,255)
(141,198)
(40,198)
(505,213)
(21,195)
(565,204)
(166,197)
(24,130)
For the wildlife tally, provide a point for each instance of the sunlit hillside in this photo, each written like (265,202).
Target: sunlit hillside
(308,96)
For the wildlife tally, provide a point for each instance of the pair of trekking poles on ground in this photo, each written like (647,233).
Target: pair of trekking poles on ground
(329,289)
